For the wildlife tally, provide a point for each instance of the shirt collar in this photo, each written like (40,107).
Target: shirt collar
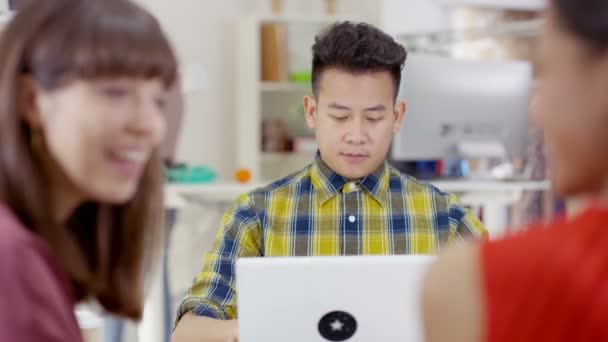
(328,183)
(376,183)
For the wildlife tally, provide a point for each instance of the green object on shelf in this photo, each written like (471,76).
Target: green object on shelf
(301,77)
(190,174)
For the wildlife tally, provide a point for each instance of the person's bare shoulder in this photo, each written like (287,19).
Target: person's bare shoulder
(452,297)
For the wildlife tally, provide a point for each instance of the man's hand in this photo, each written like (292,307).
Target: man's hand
(203,329)
(234,331)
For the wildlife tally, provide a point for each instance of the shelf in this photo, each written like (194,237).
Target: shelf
(267,86)
(516,28)
(258,100)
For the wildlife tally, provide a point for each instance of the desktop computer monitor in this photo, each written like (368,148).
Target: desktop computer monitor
(452,102)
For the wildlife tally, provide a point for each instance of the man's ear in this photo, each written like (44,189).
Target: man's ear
(27,102)
(310,111)
(398,115)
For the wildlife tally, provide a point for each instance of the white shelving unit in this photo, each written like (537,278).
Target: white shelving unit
(257,98)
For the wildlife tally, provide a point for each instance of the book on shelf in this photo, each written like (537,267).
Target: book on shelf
(274,52)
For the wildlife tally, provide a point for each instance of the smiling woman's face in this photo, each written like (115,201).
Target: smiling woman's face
(99,135)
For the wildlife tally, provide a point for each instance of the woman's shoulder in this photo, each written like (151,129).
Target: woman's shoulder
(14,236)
(22,252)
(17,242)
(33,288)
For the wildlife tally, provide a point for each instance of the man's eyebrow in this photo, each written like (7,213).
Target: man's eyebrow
(334,105)
(376,108)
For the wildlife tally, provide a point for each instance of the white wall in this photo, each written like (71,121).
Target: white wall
(204,31)
(426,16)
(507,4)
(412,16)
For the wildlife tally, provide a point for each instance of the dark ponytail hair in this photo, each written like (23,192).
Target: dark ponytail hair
(587,19)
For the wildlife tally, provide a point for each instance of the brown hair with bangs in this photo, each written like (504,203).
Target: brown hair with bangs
(106,250)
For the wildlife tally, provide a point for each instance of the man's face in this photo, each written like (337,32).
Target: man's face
(354,118)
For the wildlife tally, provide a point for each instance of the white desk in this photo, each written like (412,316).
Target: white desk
(178,195)
(493,196)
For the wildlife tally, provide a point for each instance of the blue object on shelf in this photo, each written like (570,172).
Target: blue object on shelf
(465,168)
(426,170)
(190,175)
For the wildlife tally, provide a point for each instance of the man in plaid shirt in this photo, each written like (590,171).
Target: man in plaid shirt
(348,201)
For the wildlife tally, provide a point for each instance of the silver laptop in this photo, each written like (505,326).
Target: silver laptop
(362,298)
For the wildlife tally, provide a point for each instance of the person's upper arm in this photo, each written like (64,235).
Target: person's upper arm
(452,299)
(464,225)
(213,293)
(35,304)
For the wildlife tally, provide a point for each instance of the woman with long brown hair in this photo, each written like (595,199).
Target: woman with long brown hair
(82,90)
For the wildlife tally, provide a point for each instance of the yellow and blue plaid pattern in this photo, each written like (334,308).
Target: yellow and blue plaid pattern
(316,212)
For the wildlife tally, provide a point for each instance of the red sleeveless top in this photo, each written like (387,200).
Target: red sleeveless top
(550,283)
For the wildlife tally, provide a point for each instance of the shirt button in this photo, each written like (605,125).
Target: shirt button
(352,218)
(352,186)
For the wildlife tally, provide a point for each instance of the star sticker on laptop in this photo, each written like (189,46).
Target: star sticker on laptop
(337,325)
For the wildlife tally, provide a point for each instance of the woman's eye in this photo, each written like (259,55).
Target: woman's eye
(160,102)
(115,92)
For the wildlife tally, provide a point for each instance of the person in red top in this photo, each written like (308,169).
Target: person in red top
(550,283)
(82,86)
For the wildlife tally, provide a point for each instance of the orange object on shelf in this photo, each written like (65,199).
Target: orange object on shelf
(242,175)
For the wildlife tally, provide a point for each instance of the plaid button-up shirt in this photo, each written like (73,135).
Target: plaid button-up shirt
(316,212)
